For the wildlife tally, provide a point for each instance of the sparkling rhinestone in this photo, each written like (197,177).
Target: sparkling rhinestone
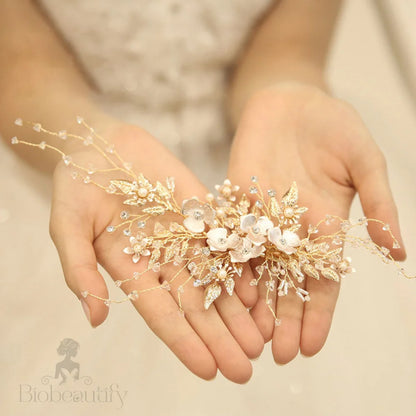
(67,159)
(181,289)
(253,189)
(18,122)
(107,302)
(213,269)
(259,204)
(271,193)
(141,224)
(74,175)
(270,285)
(260,269)
(84,293)
(128,165)
(42,145)
(110,228)
(124,215)
(79,119)
(87,179)
(386,227)
(277,322)
(206,251)
(14,140)
(91,169)
(127,232)
(385,251)
(37,127)
(88,140)
(191,266)
(62,134)
(165,285)
(110,149)
(312,229)
(156,267)
(253,282)
(170,182)
(134,295)
(268,302)
(254,179)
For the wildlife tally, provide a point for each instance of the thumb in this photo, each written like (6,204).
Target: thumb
(74,243)
(377,202)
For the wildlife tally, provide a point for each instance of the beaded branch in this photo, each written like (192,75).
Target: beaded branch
(212,240)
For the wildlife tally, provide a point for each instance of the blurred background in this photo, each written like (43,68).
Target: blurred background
(368,365)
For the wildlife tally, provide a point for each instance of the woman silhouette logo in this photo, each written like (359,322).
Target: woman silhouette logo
(67,369)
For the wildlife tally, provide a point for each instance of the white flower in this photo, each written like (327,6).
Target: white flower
(286,241)
(197,215)
(219,241)
(245,250)
(256,229)
(138,247)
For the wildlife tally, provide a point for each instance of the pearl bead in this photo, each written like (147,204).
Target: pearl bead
(143,192)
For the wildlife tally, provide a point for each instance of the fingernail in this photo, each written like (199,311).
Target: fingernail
(86,310)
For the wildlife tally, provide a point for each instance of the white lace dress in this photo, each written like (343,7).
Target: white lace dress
(160,64)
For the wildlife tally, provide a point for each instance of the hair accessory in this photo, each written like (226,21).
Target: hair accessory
(213,240)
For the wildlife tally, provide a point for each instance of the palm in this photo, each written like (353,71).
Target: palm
(298,133)
(223,337)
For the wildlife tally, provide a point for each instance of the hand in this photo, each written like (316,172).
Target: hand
(224,337)
(293,132)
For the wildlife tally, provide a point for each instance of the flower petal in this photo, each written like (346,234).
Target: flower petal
(274,234)
(247,221)
(194,225)
(291,238)
(189,205)
(264,224)
(217,233)
(229,285)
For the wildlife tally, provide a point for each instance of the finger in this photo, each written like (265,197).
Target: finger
(319,311)
(261,313)
(76,252)
(161,314)
(286,336)
(377,201)
(247,293)
(229,356)
(240,323)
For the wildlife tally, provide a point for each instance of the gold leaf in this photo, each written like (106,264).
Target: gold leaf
(274,207)
(229,285)
(211,293)
(294,228)
(162,191)
(291,196)
(184,248)
(311,271)
(132,201)
(170,252)
(155,255)
(330,274)
(155,210)
(125,186)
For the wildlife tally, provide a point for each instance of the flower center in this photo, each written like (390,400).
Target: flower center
(198,215)
(255,230)
(222,240)
(283,241)
(143,192)
(289,212)
(222,274)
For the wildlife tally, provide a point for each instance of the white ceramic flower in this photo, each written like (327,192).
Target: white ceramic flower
(256,229)
(197,215)
(218,240)
(245,250)
(286,241)
(138,247)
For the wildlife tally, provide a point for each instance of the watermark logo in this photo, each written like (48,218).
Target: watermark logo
(69,385)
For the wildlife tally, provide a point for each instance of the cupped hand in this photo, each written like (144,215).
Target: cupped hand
(224,337)
(293,132)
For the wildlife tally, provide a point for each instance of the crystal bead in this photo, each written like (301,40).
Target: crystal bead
(87,179)
(270,284)
(259,204)
(271,193)
(165,285)
(127,232)
(277,322)
(141,224)
(312,229)
(254,179)
(124,215)
(386,227)
(253,189)
(260,269)
(396,245)
(170,182)
(84,293)
(206,251)
(385,251)
(42,145)
(74,175)
(79,119)
(118,283)
(18,122)
(268,302)
(110,149)
(107,302)
(110,228)
(253,282)
(88,140)
(37,127)
(67,159)
(181,289)
(127,165)
(181,313)
(14,140)
(191,266)
(136,275)
(134,295)
(62,134)
(156,267)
